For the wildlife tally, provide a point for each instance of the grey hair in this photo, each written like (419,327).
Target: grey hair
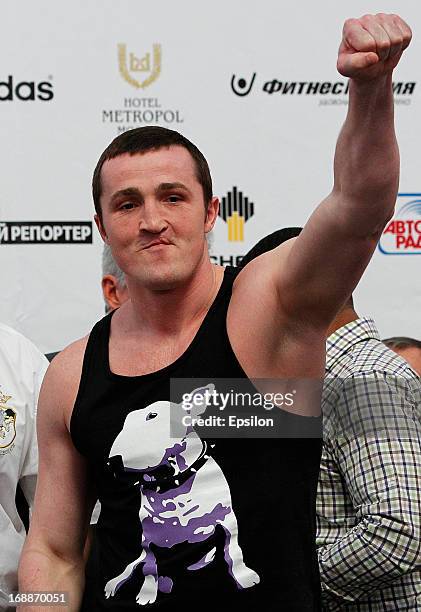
(402,342)
(109,266)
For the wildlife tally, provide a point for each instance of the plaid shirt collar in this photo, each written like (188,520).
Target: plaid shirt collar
(346,337)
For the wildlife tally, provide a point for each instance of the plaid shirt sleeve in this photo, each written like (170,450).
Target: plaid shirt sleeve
(374,438)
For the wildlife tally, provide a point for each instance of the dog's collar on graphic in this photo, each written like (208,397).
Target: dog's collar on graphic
(154,482)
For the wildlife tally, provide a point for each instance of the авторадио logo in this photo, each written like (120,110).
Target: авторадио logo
(235,209)
(402,235)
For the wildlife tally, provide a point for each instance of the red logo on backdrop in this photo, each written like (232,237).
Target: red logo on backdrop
(402,235)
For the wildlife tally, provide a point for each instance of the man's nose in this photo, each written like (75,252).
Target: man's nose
(152,219)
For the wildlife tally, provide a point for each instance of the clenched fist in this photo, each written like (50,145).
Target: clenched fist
(372,45)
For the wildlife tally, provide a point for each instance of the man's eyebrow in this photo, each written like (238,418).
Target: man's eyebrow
(128,192)
(174,185)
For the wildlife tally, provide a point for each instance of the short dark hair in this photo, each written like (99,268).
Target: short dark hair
(402,342)
(151,138)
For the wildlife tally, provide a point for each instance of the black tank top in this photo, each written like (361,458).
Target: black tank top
(236,527)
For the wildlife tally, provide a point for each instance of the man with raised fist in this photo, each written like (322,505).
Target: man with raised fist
(190,521)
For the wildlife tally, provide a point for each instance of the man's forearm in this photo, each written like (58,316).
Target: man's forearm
(360,563)
(367,157)
(41,571)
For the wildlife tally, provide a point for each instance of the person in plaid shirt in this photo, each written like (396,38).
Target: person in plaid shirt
(369,493)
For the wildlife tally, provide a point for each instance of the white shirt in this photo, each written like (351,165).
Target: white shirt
(22,368)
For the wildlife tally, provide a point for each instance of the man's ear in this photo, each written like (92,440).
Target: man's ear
(211,214)
(101,228)
(110,291)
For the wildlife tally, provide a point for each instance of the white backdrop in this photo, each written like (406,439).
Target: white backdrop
(276,148)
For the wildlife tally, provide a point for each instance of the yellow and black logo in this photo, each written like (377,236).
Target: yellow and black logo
(132,67)
(236,210)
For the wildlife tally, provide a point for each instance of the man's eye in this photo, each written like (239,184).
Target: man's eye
(126,205)
(173,199)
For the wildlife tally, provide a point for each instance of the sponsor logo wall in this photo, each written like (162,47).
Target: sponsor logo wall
(45,232)
(235,210)
(402,235)
(320,90)
(11,89)
(265,113)
(140,72)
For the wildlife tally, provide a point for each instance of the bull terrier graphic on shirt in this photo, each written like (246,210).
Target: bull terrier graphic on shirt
(177,506)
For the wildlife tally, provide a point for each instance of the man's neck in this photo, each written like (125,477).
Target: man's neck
(170,312)
(346,315)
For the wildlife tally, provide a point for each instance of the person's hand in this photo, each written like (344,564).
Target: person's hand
(372,46)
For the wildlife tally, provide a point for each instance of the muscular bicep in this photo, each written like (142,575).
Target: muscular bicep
(317,271)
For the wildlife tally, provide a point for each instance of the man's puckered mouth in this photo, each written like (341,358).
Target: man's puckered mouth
(156,243)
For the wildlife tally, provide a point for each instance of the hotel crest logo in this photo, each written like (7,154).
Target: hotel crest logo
(132,68)
(138,107)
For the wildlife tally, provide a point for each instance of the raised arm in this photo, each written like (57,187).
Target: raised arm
(326,261)
(52,558)
(287,297)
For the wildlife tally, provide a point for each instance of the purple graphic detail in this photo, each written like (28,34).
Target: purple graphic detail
(170,529)
(149,567)
(165,584)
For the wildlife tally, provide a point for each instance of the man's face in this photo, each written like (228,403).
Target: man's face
(413,356)
(153,216)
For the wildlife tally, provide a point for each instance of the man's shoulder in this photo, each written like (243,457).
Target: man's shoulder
(61,382)
(70,358)
(370,363)
(356,348)
(371,391)
(64,371)
(372,357)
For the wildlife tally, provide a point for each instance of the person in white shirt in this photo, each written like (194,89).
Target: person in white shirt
(22,368)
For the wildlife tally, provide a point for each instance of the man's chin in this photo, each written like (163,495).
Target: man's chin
(162,279)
